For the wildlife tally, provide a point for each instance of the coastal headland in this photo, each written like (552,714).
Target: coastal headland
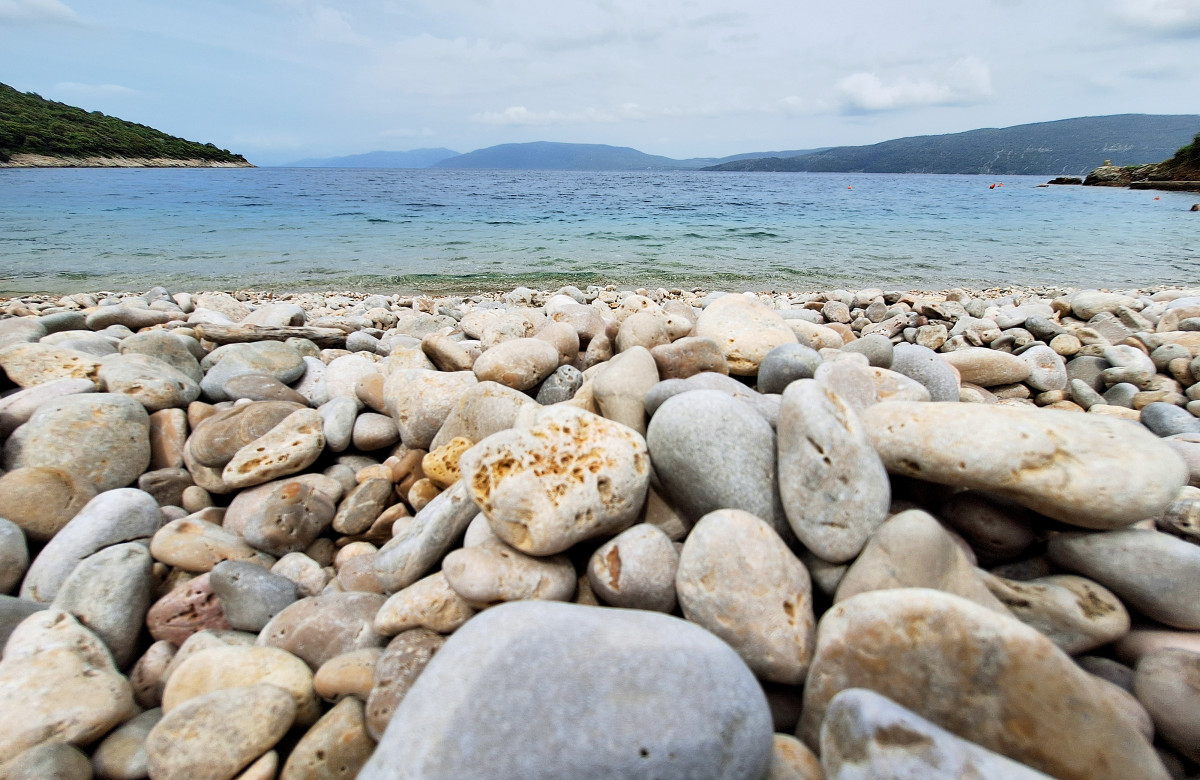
(601,533)
(53,161)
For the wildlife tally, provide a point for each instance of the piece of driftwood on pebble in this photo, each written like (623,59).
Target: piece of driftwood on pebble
(326,338)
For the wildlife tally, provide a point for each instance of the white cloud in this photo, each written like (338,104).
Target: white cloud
(966,81)
(77,90)
(1172,18)
(37,11)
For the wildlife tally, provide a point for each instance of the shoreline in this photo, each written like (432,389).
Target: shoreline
(51,161)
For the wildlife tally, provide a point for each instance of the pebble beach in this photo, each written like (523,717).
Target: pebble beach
(601,533)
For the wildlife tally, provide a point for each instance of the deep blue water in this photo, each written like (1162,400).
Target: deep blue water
(67,230)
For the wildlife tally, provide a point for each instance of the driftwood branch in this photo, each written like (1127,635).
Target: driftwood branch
(240,334)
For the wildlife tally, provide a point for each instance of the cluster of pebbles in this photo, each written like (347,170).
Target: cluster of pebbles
(601,534)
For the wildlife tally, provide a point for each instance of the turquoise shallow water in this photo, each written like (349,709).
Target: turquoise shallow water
(67,230)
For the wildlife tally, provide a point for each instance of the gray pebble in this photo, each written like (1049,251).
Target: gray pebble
(109,592)
(785,364)
(560,386)
(249,594)
(924,365)
(1167,419)
(876,347)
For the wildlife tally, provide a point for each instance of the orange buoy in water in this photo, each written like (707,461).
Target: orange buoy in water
(1156,197)
(992,187)
(849,187)
(1000,184)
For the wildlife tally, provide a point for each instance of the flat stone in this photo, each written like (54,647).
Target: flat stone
(113,517)
(1154,573)
(133,317)
(153,383)
(428,603)
(997,530)
(250,595)
(868,735)
(739,580)
(291,446)
(744,330)
(166,485)
(218,438)
(17,408)
(711,451)
(335,748)
(988,367)
(29,365)
(1075,613)
(520,363)
(319,628)
(166,347)
(103,437)
(21,330)
(1167,683)
(571,476)
(272,358)
(122,756)
(283,516)
(1014,691)
(480,411)
(834,488)
(927,367)
(261,387)
(363,505)
(913,550)
(1167,419)
(766,406)
(218,668)
(109,593)
(1087,470)
(476,719)
(492,574)
(373,431)
(398,667)
(1088,303)
(197,545)
(636,569)
(425,540)
(420,401)
(59,684)
(215,736)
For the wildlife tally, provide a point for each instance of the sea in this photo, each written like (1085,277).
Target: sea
(465,231)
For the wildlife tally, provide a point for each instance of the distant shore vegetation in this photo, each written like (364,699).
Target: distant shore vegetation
(30,124)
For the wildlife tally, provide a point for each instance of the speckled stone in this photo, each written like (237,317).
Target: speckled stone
(29,365)
(197,545)
(218,668)
(420,401)
(429,603)
(571,476)
(188,608)
(490,574)
(41,500)
(319,628)
(291,446)
(636,569)
(250,595)
(218,438)
(153,383)
(1075,613)
(335,748)
(109,593)
(1087,470)
(397,669)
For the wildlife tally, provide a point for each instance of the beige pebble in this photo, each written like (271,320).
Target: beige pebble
(348,674)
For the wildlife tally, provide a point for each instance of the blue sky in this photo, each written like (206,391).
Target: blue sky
(279,80)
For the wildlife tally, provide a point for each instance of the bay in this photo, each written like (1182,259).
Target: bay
(288,229)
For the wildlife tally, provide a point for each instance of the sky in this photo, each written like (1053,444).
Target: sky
(281,80)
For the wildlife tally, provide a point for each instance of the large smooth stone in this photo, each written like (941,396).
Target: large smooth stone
(58,682)
(620,387)
(420,400)
(744,330)
(1087,470)
(218,438)
(490,574)
(122,754)
(104,437)
(166,347)
(216,668)
(1047,371)
(272,358)
(291,446)
(121,515)
(336,748)
(913,550)
(739,580)
(1154,573)
(636,569)
(196,545)
(109,592)
(151,382)
(18,407)
(1073,612)
(49,761)
(866,735)
(834,487)
(1167,683)
(711,451)
(42,499)
(283,516)
(988,367)
(29,365)
(571,476)
(502,698)
(318,628)
(519,363)
(342,376)
(215,736)
(132,317)
(984,676)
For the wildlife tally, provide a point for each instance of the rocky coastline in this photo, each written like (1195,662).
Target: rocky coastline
(601,533)
(1154,176)
(55,161)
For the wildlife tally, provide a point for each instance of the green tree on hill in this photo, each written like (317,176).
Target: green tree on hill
(30,124)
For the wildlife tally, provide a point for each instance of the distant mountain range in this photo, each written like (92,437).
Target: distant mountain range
(1068,146)
(1063,147)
